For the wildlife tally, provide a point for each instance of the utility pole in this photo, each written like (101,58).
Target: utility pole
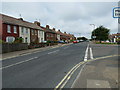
(94,32)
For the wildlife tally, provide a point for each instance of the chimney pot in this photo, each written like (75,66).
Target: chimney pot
(20,19)
(47,26)
(54,29)
(65,32)
(37,23)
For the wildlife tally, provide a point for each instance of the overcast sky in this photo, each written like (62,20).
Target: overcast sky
(72,17)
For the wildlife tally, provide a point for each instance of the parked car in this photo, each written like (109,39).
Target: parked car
(81,40)
(61,42)
(75,41)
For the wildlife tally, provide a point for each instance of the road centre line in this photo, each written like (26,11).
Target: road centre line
(86,53)
(91,54)
(29,53)
(71,72)
(22,55)
(53,51)
(18,63)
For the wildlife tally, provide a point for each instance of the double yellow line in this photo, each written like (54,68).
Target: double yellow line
(71,72)
(68,76)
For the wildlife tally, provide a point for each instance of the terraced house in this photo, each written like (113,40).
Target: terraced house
(13,28)
(50,34)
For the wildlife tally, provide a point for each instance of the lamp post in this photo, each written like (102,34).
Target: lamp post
(94,32)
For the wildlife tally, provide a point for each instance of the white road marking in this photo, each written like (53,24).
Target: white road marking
(91,54)
(53,51)
(18,63)
(86,53)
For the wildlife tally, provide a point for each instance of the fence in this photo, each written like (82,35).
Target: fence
(10,47)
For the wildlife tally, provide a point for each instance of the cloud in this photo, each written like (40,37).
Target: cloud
(70,17)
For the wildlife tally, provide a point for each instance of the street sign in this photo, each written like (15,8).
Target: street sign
(116,12)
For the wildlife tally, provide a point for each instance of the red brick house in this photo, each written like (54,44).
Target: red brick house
(50,34)
(13,28)
(34,36)
(10,29)
(0,27)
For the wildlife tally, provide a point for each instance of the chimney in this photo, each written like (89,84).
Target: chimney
(59,30)
(54,29)
(37,23)
(20,19)
(65,32)
(47,26)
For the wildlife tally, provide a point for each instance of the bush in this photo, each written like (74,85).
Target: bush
(1,41)
(18,40)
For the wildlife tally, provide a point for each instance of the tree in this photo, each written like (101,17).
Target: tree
(82,38)
(101,34)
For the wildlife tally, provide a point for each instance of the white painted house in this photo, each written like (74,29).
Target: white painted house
(41,36)
(58,37)
(40,32)
(25,34)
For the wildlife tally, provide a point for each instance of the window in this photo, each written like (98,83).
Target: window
(8,29)
(35,32)
(22,30)
(32,31)
(26,30)
(41,33)
(10,39)
(51,35)
(15,29)
(47,35)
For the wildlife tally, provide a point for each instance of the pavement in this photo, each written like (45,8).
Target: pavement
(29,51)
(75,66)
(101,72)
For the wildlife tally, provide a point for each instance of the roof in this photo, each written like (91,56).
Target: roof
(48,30)
(60,33)
(15,21)
(118,34)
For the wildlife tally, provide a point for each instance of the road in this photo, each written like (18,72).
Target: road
(47,69)
(43,69)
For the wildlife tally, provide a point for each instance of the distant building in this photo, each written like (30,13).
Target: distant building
(114,37)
